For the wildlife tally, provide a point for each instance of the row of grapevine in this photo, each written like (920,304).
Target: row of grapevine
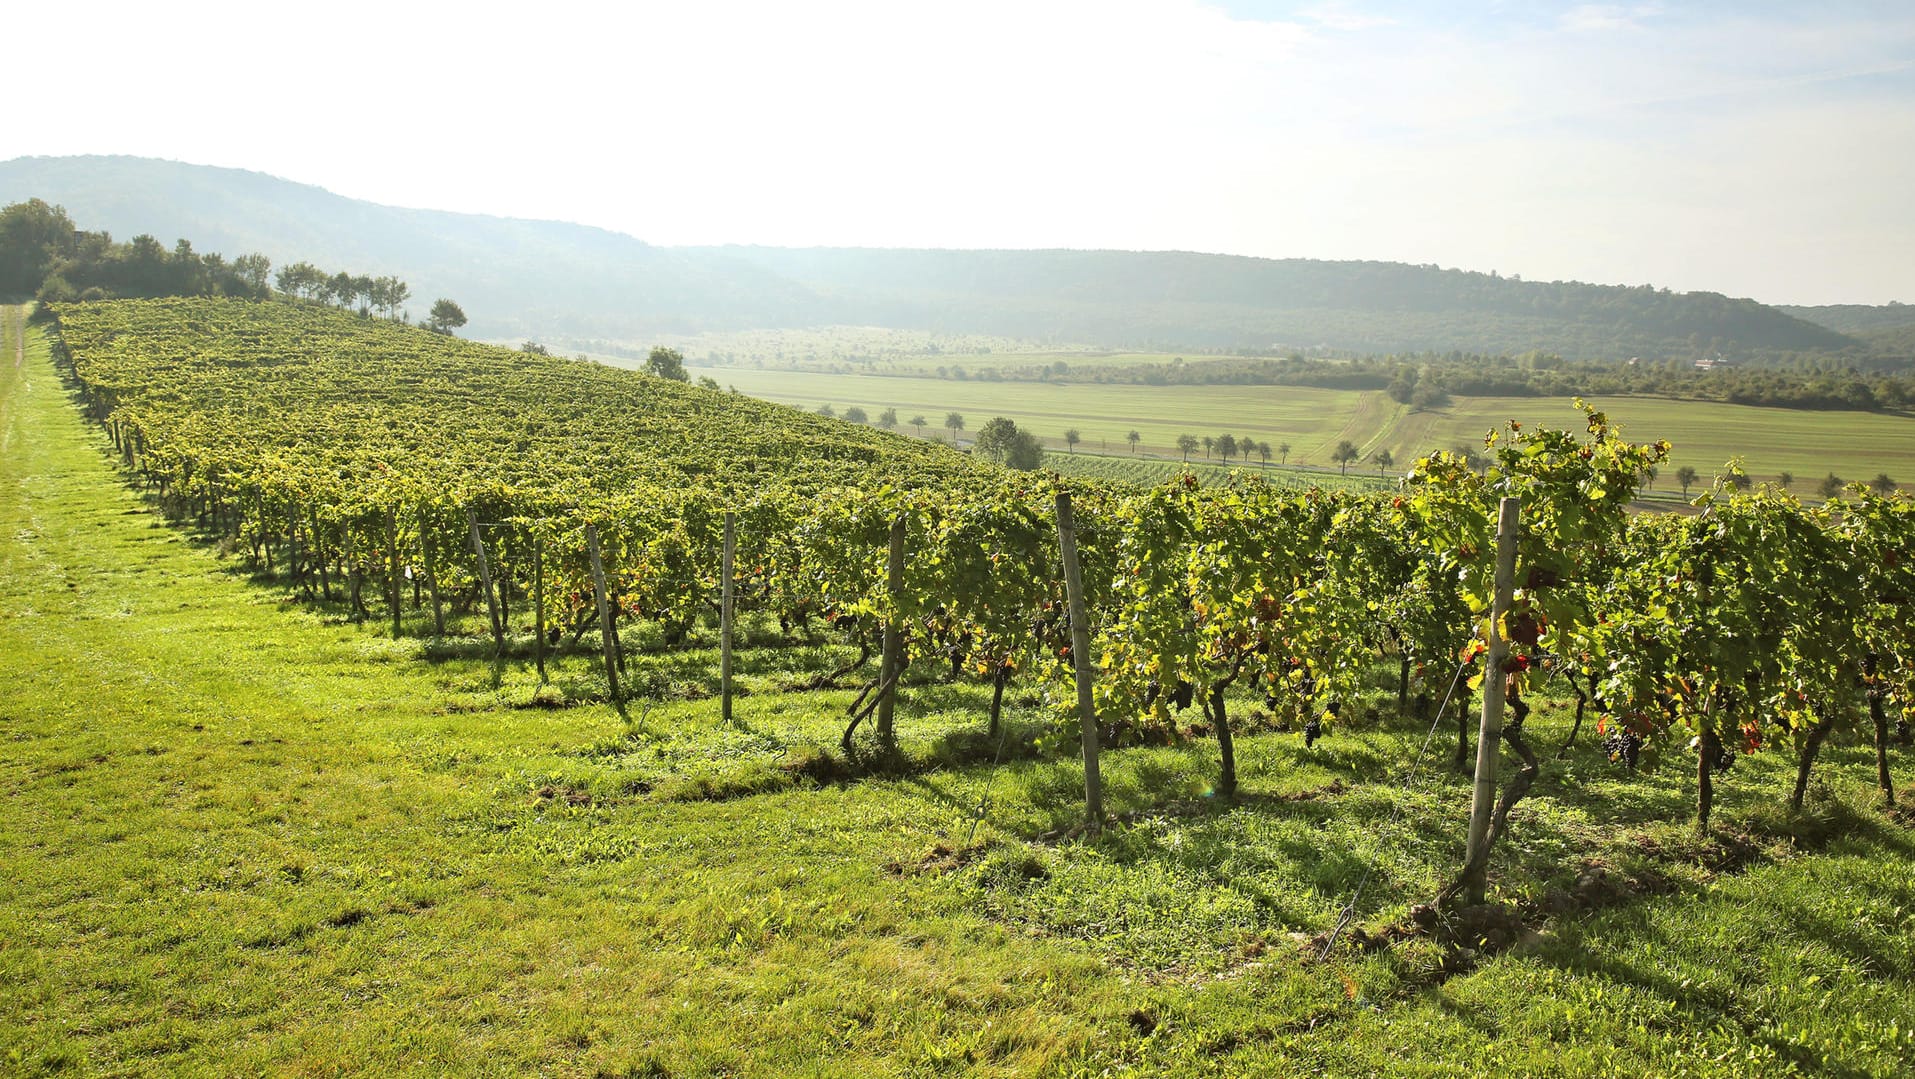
(369,461)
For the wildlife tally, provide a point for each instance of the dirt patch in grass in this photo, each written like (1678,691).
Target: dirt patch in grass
(942,858)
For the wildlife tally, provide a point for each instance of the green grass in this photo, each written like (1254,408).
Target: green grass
(241,836)
(1149,471)
(1809,445)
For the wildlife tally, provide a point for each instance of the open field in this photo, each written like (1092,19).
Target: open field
(239,835)
(1854,445)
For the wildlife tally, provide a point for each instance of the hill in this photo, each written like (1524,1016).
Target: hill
(1183,299)
(1856,318)
(560,282)
(517,278)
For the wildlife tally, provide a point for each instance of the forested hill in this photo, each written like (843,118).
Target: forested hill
(515,278)
(1856,318)
(557,282)
(1176,299)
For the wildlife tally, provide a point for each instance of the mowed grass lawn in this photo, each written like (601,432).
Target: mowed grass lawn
(1808,445)
(241,836)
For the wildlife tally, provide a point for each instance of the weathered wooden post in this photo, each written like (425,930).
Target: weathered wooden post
(1080,661)
(1489,737)
(538,601)
(432,578)
(888,670)
(607,640)
(485,584)
(725,601)
(392,568)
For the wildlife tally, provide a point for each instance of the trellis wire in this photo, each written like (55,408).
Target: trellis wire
(1396,814)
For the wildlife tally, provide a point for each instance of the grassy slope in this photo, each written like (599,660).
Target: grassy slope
(239,837)
(1809,445)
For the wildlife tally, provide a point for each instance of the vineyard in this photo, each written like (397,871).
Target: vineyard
(497,504)
(382,462)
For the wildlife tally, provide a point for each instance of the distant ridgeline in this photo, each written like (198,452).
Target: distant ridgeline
(43,254)
(566,284)
(1184,300)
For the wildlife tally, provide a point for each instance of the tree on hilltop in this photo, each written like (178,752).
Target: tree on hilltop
(445,317)
(667,363)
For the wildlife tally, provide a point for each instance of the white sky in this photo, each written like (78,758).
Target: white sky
(1756,149)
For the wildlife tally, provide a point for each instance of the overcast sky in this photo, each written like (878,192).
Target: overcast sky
(1763,150)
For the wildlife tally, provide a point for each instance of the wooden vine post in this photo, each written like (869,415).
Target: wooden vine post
(1080,661)
(292,545)
(538,602)
(485,584)
(1489,738)
(606,638)
(432,577)
(888,670)
(392,568)
(725,603)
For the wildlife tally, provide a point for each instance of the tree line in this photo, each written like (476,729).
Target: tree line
(45,255)
(1429,380)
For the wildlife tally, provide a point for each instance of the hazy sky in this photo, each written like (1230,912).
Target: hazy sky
(1757,149)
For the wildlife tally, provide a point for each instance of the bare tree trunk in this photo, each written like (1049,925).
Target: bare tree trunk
(892,665)
(1706,750)
(1226,745)
(1002,676)
(1825,722)
(1880,719)
(1582,702)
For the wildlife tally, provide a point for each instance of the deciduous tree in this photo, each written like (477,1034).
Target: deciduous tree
(667,363)
(445,317)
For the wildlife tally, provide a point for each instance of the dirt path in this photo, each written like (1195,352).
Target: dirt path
(15,333)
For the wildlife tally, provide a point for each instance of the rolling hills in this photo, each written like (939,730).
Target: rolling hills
(562,282)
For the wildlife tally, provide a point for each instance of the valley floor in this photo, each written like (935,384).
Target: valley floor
(243,836)
(1806,444)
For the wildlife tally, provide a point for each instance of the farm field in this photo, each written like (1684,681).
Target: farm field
(1809,445)
(244,834)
